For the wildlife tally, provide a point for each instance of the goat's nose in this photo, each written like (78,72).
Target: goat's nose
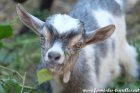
(54,56)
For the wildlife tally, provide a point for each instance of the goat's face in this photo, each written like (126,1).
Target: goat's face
(62,37)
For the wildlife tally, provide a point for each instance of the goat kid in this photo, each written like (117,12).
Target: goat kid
(86,48)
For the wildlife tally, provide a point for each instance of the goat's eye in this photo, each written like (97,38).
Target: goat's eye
(79,45)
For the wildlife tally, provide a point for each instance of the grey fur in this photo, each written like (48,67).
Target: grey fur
(101,49)
(97,64)
(83,8)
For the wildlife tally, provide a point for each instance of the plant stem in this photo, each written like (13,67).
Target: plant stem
(27,87)
(11,70)
(23,78)
(23,82)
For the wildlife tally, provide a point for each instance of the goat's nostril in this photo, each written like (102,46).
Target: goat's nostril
(54,56)
(57,58)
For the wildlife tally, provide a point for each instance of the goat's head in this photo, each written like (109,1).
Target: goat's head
(62,37)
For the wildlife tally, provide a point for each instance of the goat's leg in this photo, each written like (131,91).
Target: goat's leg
(127,53)
(128,59)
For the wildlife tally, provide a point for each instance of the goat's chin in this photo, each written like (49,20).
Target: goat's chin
(55,69)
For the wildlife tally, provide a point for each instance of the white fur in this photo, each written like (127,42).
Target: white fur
(127,53)
(57,47)
(102,17)
(89,53)
(120,2)
(56,85)
(124,53)
(64,23)
(109,68)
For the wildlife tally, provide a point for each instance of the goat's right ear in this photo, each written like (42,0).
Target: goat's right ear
(29,20)
(99,34)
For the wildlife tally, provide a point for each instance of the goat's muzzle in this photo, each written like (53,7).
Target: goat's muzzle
(54,68)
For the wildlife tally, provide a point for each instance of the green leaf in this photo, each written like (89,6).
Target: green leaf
(5,31)
(43,76)
(11,86)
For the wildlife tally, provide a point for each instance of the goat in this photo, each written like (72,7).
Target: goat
(86,48)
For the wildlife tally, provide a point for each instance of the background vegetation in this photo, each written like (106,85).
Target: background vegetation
(20,51)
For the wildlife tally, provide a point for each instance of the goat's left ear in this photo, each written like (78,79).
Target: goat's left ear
(99,35)
(29,20)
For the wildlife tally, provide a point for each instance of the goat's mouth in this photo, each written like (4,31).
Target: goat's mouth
(55,68)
